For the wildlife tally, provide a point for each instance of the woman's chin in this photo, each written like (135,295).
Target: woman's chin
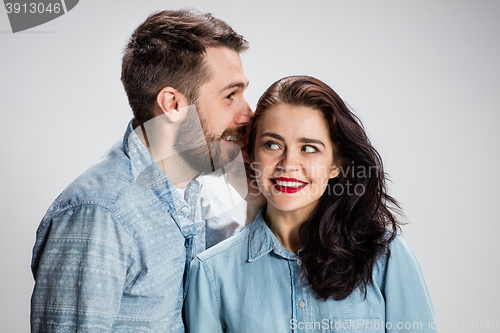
(291,206)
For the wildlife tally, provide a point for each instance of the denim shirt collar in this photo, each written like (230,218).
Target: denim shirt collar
(261,241)
(145,169)
(135,150)
(148,175)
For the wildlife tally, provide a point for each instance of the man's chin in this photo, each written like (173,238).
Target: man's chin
(223,152)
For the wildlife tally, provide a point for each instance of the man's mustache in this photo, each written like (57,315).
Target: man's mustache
(235,133)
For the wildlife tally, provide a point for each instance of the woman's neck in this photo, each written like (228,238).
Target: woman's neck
(286,225)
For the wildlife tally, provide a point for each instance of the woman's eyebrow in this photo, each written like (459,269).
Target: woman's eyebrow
(307,140)
(273,135)
(302,140)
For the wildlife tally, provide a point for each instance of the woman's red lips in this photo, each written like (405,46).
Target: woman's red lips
(288,185)
(284,179)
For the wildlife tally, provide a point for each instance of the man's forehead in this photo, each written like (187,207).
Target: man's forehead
(226,69)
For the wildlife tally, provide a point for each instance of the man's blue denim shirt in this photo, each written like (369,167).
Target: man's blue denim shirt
(251,283)
(112,253)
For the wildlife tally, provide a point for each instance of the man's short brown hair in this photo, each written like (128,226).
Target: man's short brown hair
(168,50)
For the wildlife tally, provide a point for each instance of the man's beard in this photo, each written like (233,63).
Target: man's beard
(205,152)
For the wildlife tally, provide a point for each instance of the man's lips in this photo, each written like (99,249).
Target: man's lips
(236,137)
(229,138)
(233,135)
(288,185)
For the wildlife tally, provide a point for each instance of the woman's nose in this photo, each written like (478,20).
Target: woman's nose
(290,161)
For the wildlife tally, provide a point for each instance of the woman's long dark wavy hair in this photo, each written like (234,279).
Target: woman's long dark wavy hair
(354,220)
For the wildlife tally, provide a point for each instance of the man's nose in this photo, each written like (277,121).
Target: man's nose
(244,113)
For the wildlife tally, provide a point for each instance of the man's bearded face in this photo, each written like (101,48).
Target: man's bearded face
(204,150)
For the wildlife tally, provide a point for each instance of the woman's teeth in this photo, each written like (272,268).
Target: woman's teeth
(288,184)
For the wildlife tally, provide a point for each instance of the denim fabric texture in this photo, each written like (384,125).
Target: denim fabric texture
(251,283)
(112,252)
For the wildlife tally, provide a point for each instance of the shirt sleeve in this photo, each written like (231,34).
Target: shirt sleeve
(80,263)
(202,307)
(408,304)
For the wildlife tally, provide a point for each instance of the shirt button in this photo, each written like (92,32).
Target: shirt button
(299,262)
(185,209)
(302,304)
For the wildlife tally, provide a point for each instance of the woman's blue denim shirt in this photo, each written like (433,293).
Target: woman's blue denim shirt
(251,283)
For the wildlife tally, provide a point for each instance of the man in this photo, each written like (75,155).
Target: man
(113,251)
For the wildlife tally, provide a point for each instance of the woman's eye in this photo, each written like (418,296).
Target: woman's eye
(309,149)
(271,145)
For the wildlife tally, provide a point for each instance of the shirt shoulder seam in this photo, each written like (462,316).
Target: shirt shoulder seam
(60,212)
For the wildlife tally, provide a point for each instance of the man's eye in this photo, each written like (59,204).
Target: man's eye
(309,149)
(230,96)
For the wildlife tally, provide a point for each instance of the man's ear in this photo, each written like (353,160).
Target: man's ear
(171,102)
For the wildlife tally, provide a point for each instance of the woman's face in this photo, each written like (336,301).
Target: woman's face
(293,157)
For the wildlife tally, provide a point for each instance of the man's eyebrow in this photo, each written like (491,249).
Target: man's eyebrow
(241,85)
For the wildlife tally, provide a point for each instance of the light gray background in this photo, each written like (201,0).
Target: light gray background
(424,77)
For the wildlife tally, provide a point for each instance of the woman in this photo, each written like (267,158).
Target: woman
(324,254)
